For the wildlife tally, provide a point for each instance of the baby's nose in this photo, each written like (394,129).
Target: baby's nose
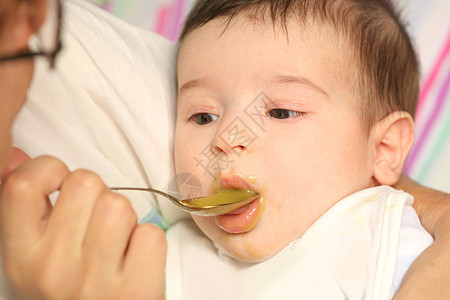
(235,138)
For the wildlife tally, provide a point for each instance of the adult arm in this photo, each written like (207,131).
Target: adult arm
(429,275)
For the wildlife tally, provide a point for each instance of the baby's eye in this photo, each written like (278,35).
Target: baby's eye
(279,113)
(203,118)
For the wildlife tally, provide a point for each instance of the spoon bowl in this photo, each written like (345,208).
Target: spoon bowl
(222,202)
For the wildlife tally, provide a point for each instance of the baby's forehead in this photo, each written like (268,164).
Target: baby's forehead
(315,30)
(326,45)
(291,48)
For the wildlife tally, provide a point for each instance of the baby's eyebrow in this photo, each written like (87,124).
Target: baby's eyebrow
(190,85)
(277,79)
(299,80)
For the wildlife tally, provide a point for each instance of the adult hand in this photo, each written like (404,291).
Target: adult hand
(88,246)
(429,276)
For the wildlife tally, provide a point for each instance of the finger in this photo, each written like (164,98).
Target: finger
(24,203)
(144,267)
(72,212)
(112,222)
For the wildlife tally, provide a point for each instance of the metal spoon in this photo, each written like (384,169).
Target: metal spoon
(224,201)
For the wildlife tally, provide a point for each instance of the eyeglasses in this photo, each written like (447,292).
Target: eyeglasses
(48,40)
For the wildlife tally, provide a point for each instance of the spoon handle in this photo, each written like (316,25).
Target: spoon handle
(174,200)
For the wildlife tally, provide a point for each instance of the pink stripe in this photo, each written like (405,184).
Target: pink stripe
(429,124)
(107,6)
(162,21)
(431,79)
(170,18)
(178,19)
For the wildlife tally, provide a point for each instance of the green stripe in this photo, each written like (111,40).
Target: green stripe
(433,154)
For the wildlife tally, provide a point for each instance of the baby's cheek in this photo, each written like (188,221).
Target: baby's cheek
(208,226)
(184,161)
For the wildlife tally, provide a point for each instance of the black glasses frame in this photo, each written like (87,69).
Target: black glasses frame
(51,56)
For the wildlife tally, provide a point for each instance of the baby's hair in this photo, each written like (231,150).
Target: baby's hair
(386,65)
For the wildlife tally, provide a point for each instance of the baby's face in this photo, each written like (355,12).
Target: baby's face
(260,111)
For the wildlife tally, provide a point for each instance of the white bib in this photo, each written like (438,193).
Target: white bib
(349,253)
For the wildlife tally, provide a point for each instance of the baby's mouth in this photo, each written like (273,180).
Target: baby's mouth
(241,209)
(245,218)
(242,219)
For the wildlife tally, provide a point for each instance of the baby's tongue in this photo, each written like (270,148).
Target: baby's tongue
(242,219)
(239,210)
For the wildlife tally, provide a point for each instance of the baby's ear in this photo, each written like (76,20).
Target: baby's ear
(393,137)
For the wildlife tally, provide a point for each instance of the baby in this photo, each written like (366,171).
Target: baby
(309,103)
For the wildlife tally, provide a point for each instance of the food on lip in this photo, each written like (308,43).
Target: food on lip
(224,196)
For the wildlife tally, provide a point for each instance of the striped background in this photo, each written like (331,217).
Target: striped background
(429,24)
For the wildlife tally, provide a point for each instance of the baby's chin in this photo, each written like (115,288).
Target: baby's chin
(252,246)
(243,252)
